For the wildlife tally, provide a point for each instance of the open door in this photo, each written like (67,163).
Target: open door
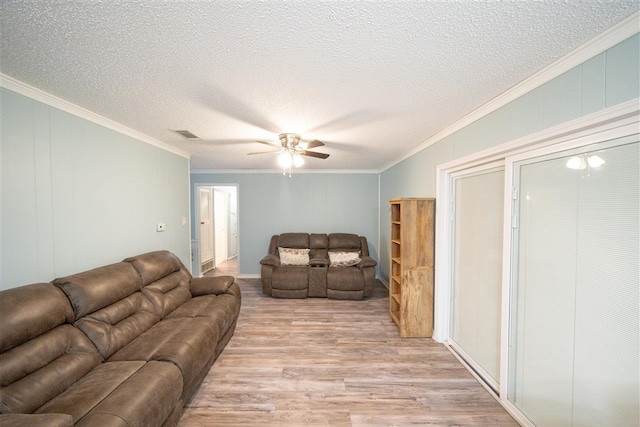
(206,230)
(221,212)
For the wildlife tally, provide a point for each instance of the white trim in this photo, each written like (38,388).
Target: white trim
(619,116)
(444,239)
(507,405)
(294,172)
(384,281)
(569,130)
(505,313)
(378,240)
(196,205)
(606,40)
(39,95)
(479,371)
(611,123)
(599,134)
(248,276)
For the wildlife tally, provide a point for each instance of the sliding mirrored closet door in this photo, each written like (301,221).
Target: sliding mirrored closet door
(574,310)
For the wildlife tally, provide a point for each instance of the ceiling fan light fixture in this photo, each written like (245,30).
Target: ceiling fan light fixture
(297,160)
(285,160)
(289,140)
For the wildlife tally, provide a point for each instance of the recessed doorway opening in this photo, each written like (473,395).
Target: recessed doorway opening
(216,230)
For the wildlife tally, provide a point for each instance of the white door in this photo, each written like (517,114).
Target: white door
(221,209)
(206,226)
(233,223)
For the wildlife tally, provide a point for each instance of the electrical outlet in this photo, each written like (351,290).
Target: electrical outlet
(161,226)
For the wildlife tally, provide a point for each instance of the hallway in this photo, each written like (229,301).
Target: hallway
(227,268)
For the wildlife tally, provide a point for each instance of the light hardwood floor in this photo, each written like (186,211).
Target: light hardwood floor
(226,268)
(340,363)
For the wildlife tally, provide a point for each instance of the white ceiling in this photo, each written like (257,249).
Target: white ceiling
(372,80)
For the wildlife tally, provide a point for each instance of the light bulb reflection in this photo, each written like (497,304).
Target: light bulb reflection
(595,161)
(576,162)
(579,162)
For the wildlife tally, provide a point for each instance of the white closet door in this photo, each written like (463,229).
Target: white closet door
(477,270)
(574,344)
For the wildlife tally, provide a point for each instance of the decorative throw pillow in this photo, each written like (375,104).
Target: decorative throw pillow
(344,259)
(290,256)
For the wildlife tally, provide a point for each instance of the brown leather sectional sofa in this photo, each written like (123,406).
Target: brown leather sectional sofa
(126,344)
(326,271)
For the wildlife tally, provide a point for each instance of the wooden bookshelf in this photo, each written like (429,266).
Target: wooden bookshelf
(411,271)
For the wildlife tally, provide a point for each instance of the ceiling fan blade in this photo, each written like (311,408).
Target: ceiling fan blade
(269,143)
(314,154)
(261,152)
(315,143)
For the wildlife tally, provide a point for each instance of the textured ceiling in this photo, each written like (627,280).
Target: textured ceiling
(372,79)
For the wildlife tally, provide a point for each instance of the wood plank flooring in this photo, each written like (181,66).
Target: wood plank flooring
(340,363)
(226,268)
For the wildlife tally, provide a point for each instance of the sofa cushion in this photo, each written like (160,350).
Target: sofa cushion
(121,393)
(32,420)
(344,242)
(168,293)
(164,278)
(318,241)
(116,325)
(38,370)
(223,309)
(155,265)
(345,279)
(186,342)
(29,311)
(95,289)
(290,282)
(293,240)
(41,355)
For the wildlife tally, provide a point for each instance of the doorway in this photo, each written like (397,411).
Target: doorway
(216,235)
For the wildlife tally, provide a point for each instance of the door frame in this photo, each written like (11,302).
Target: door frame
(611,123)
(196,212)
(204,190)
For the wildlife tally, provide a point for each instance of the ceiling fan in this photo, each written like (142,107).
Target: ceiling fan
(292,149)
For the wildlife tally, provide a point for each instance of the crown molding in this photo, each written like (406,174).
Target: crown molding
(626,28)
(39,95)
(293,171)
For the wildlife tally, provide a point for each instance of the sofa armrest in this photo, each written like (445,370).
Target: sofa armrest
(36,420)
(214,285)
(366,261)
(271,260)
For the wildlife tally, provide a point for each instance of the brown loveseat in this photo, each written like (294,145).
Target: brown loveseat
(334,265)
(126,344)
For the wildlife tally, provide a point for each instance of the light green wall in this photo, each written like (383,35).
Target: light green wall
(76,195)
(270,203)
(608,79)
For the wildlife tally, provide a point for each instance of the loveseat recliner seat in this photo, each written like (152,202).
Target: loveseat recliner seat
(302,265)
(121,345)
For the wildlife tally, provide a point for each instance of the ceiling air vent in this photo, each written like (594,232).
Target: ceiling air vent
(186,134)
